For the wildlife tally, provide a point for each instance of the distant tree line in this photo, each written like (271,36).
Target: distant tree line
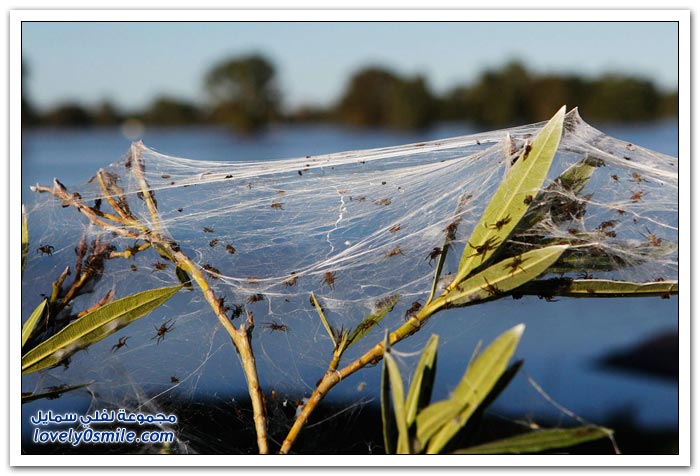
(244,96)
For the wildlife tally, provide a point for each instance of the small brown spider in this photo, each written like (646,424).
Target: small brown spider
(491,289)
(434,255)
(162,330)
(211,270)
(206,229)
(394,252)
(237,311)
(213,242)
(274,326)
(528,200)
(291,281)
(615,177)
(255,298)
(606,224)
(231,250)
(329,279)
(383,201)
(158,266)
(451,230)
(394,229)
(490,244)
(651,238)
(637,196)
(500,223)
(413,310)
(45,250)
(515,264)
(120,344)
(277,205)
(174,379)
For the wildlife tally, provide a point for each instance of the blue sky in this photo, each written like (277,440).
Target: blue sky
(131,63)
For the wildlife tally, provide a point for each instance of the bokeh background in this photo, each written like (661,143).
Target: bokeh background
(266,90)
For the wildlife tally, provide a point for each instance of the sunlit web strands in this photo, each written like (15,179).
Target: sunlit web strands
(354,228)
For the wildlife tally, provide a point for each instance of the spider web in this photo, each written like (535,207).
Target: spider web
(354,228)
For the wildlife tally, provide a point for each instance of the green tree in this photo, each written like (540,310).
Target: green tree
(243,92)
(68,115)
(378,97)
(500,97)
(29,115)
(169,111)
(621,98)
(106,114)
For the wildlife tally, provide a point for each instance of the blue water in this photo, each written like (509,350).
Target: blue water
(563,341)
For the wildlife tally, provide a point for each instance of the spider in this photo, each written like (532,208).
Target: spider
(329,279)
(394,252)
(174,379)
(162,330)
(394,229)
(451,230)
(637,196)
(206,229)
(213,242)
(231,250)
(277,205)
(159,266)
(413,310)
(291,281)
(515,264)
(651,238)
(120,344)
(274,326)
(434,255)
(490,244)
(615,177)
(500,223)
(383,201)
(255,298)
(45,250)
(237,311)
(606,224)
(211,270)
(491,289)
(528,200)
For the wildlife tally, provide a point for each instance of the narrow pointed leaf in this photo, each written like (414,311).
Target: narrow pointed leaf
(30,324)
(541,440)
(598,288)
(25,237)
(397,400)
(389,429)
(51,393)
(504,276)
(93,327)
(383,308)
(479,379)
(322,316)
(422,383)
(510,201)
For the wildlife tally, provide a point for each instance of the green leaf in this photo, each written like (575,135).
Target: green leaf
(30,324)
(554,200)
(384,306)
(25,237)
(598,288)
(510,202)
(541,440)
(479,379)
(389,430)
(422,383)
(93,327)
(322,315)
(504,276)
(397,400)
(183,277)
(52,393)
